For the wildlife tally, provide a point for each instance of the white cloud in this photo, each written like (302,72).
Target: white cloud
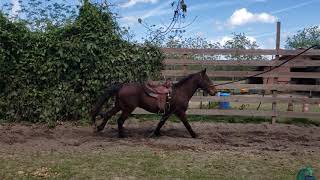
(243,16)
(131,3)
(16,8)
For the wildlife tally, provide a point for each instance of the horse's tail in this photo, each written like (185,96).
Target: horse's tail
(108,93)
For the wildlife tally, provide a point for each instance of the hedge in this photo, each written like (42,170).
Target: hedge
(58,73)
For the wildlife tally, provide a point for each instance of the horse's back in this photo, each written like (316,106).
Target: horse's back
(133,95)
(130,89)
(130,94)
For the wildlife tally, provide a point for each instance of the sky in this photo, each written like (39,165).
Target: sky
(216,20)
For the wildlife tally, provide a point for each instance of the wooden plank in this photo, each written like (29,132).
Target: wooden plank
(293,63)
(273,74)
(250,99)
(253,113)
(279,87)
(238,51)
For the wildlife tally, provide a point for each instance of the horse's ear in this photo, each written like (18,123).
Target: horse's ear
(204,71)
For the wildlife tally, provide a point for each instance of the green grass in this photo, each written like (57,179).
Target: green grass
(156,164)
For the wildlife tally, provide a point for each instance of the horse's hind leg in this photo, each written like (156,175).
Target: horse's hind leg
(107,116)
(122,118)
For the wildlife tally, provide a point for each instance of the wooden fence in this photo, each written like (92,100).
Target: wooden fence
(184,65)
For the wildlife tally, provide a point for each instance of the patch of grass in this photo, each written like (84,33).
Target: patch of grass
(232,119)
(300,121)
(156,164)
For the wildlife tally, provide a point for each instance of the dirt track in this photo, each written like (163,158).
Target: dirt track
(18,138)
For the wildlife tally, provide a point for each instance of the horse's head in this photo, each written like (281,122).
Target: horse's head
(205,83)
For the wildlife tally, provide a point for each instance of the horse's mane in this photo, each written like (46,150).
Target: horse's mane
(183,80)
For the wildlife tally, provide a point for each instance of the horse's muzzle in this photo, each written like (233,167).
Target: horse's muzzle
(212,90)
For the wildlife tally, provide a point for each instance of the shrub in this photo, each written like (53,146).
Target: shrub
(57,74)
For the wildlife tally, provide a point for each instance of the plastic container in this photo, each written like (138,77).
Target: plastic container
(224,105)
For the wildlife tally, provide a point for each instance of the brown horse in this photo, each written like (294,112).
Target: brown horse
(132,95)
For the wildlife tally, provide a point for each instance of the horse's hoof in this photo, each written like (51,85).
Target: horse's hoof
(94,129)
(121,136)
(154,135)
(99,129)
(194,135)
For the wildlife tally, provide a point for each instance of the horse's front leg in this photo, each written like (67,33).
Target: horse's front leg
(164,118)
(183,117)
(124,115)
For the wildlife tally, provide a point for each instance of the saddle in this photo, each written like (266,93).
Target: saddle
(162,92)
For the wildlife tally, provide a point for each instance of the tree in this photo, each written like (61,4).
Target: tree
(190,42)
(304,38)
(241,41)
(42,14)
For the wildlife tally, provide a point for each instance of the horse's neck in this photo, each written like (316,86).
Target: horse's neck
(189,88)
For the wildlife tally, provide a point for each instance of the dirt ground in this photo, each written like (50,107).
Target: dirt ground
(19,138)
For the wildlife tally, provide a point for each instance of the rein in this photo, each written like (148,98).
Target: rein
(271,69)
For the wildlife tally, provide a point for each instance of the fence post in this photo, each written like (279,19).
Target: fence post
(185,66)
(274,107)
(275,80)
(278,40)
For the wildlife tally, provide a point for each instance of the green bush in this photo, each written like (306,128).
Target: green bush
(58,73)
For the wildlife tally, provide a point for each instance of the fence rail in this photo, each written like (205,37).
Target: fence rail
(179,73)
(295,63)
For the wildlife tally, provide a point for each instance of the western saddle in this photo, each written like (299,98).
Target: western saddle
(162,92)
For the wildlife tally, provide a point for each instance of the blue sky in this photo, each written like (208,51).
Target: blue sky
(217,19)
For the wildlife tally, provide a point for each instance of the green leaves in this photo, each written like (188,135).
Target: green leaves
(58,73)
(183,6)
(305,38)
(241,41)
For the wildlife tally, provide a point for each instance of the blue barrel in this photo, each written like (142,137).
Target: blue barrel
(224,105)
